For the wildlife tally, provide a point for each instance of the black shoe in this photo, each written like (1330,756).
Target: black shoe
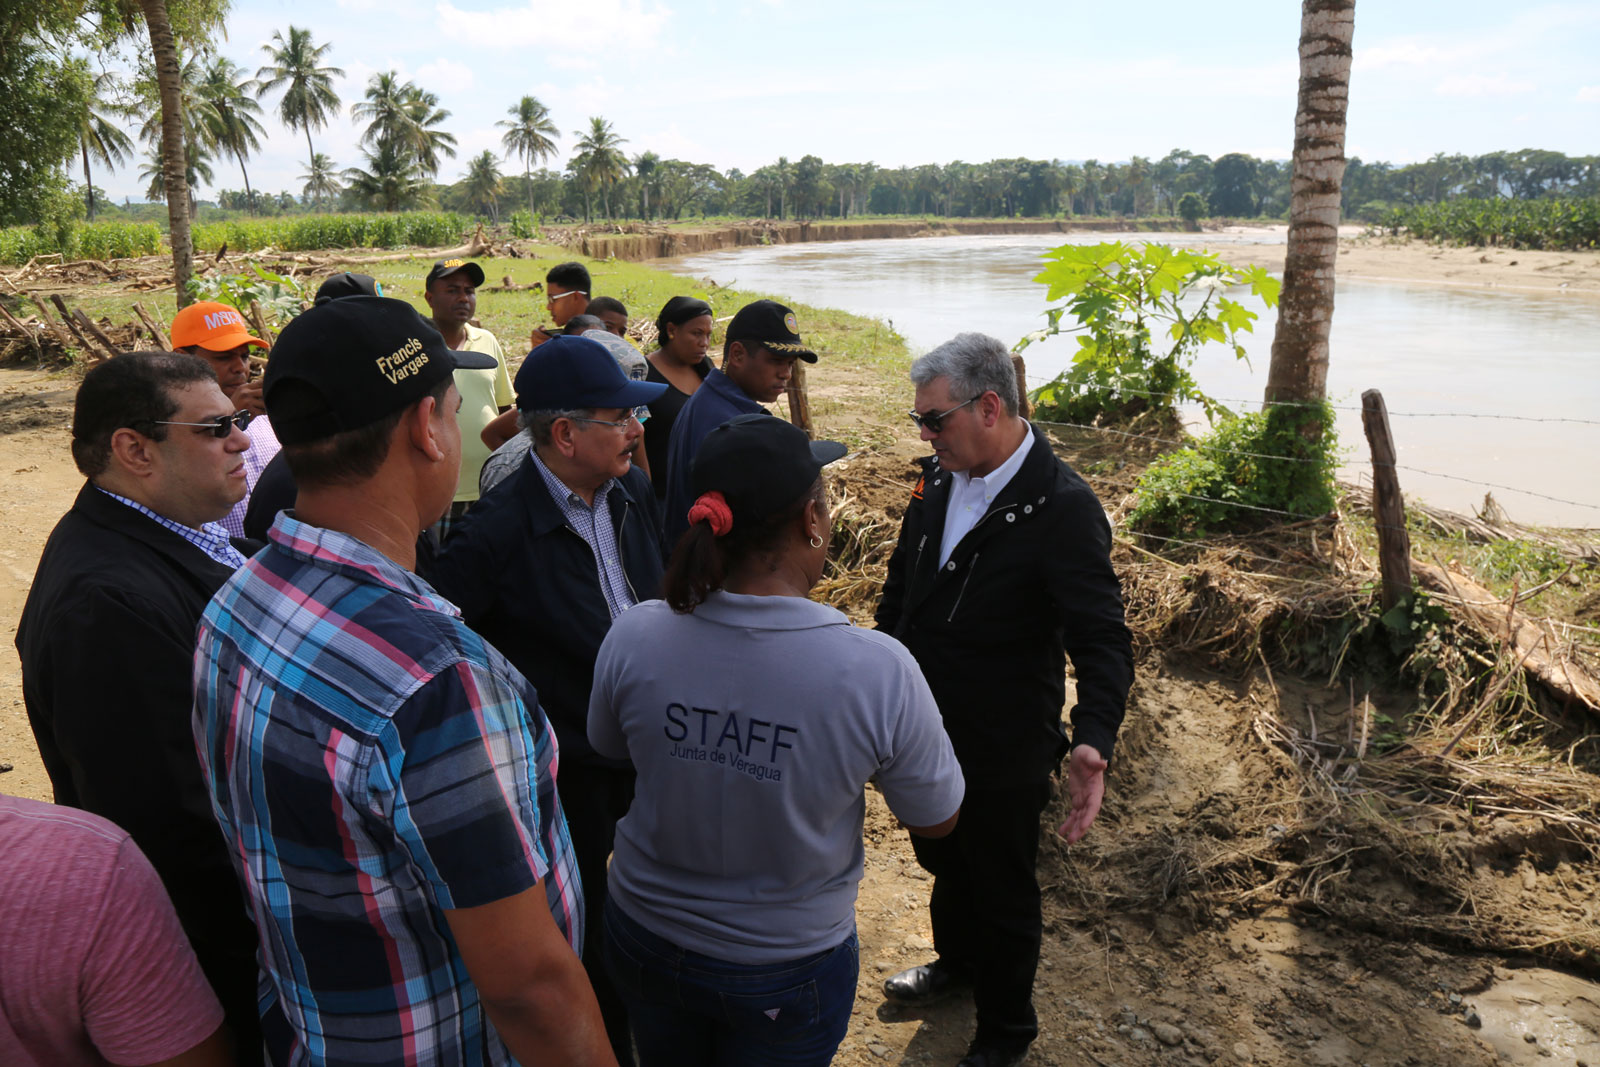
(986,1055)
(922,985)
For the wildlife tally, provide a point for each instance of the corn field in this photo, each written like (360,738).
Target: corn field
(1553,225)
(309,233)
(96,240)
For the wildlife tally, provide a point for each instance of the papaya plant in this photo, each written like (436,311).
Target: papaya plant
(1140,314)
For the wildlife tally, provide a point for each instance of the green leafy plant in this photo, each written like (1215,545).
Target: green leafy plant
(1241,473)
(279,296)
(1120,298)
(1555,224)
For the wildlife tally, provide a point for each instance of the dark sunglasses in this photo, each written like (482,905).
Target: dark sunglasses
(933,421)
(221,426)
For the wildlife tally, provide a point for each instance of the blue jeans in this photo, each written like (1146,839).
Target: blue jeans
(689,1010)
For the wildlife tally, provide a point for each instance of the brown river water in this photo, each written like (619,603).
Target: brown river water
(1464,372)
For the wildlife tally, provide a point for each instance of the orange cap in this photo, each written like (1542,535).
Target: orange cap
(213,326)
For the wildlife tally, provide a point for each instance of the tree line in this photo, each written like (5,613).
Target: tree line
(405,143)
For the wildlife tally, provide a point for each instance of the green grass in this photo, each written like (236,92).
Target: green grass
(863,352)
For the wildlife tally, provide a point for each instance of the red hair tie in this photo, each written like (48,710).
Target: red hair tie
(713,509)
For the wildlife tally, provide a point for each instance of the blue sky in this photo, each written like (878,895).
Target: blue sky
(738,84)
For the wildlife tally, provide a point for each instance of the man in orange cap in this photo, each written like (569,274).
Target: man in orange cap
(218,334)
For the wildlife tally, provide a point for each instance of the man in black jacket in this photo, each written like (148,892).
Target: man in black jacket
(543,563)
(1002,571)
(107,638)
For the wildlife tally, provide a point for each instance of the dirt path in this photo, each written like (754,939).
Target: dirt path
(1268,985)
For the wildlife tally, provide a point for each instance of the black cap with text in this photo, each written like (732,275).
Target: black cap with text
(349,363)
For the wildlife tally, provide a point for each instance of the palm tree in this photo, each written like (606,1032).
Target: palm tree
(483,183)
(196,169)
(321,182)
(425,114)
(198,118)
(392,181)
(645,165)
(783,179)
(384,111)
(400,116)
(308,98)
(604,162)
(99,136)
(231,116)
(528,135)
(1299,368)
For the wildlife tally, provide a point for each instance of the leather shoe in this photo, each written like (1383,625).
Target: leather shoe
(993,1056)
(922,985)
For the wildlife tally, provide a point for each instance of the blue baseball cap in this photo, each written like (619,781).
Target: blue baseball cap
(566,373)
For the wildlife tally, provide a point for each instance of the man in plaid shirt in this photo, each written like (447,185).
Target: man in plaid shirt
(385,779)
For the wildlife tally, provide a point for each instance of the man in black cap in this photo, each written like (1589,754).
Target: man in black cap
(546,598)
(758,355)
(451,290)
(383,777)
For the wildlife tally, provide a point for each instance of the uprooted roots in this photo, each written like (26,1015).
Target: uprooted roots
(1473,821)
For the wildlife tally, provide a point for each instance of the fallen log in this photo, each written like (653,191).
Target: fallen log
(1531,641)
(27,334)
(61,335)
(83,341)
(96,332)
(163,342)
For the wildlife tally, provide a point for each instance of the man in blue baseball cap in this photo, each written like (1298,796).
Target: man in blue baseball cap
(546,598)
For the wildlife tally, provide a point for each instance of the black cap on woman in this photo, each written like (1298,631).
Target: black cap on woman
(759,524)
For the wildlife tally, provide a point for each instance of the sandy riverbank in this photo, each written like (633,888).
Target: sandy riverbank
(1390,259)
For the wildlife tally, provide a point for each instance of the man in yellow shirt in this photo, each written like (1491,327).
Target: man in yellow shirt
(451,290)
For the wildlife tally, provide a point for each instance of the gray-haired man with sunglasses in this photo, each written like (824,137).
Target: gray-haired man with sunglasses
(545,561)
(1002,572)
(107,638)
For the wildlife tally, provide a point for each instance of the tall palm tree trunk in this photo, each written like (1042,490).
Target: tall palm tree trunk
(1299,370)
(173,162)
(527,178)
(311,153)
(249,197)
(88,182)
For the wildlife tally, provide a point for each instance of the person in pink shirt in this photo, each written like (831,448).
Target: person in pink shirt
(94,968)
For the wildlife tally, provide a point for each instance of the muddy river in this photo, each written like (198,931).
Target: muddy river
(1463,371)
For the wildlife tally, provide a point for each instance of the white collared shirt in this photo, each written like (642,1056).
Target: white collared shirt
(970,497)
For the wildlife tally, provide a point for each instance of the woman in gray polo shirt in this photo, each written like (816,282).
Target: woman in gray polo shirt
(754,718)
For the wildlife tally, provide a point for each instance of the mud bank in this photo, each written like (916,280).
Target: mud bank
(663,243)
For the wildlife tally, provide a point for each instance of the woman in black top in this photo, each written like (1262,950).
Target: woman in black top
(684,330)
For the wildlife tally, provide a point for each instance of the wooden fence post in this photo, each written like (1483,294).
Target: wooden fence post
(799,400)
(1023,407)
(1388,507)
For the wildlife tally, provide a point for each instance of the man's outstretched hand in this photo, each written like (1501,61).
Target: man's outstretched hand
(1086,788)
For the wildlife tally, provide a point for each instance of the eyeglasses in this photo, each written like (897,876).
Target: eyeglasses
(553,297)
(639,413)
(933,421)
(221,426)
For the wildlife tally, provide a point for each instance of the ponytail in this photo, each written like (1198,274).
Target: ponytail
(712,547)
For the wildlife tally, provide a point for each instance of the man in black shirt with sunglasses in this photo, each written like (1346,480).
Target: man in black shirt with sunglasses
(1002,572)
(107,643)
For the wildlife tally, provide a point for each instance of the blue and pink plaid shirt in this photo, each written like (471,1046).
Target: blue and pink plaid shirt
(373,764)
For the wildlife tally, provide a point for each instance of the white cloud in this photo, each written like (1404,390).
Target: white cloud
(1589,94)
(630,25)
(442,72)
(1482,85)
